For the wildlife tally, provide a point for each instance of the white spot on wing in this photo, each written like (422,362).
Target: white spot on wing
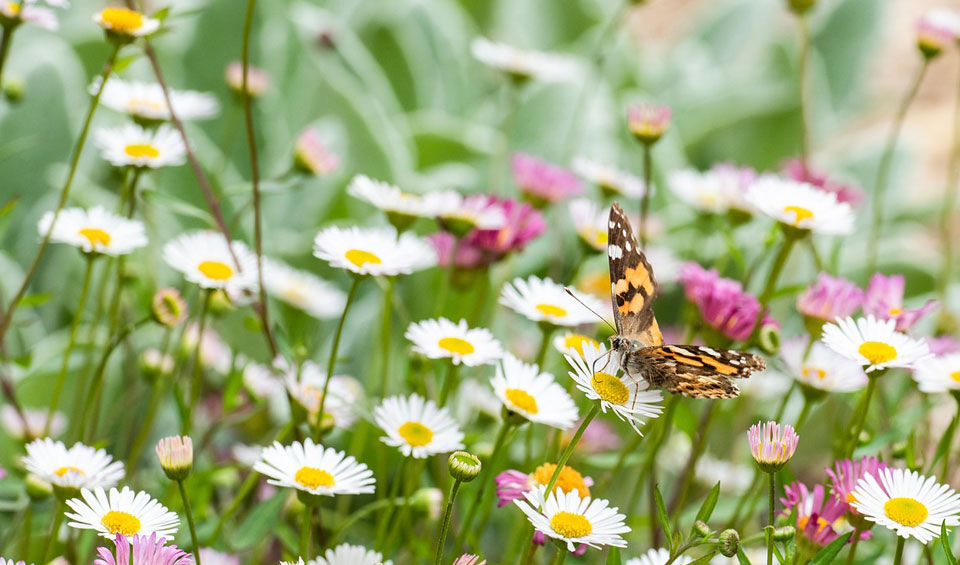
(627,246)
(710,352)
(614,251)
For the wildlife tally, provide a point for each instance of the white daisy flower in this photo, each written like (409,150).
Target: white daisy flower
(393,201)
(478,211)
(35,419)
(31,13)
(570,342)
(714,191)
(344,393)
(542,300)
(303,290)
(346,554)
(597,375)
(611,180)
(205,259)
(124,21)
(533,394)
(938,374)
(80,466)
(590,221)
(374,251)
(523,64)
(95,230)
(568,518)
(907,503)
(132,145)
(417,426)
(125,512)
(823,369)
(316,470)
(145,101)
(801,205)
(658,556)
(268,385)
(874,344)
(442,339)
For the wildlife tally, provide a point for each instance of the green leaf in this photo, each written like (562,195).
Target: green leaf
(252,324)
(829,553)
(35,299)
(704,559)
(124,62)
(706,509)
(742,557)
(162,13)
(613,556)
(664,518)
(9,205)
(945,542)
(944,444)
(260,522)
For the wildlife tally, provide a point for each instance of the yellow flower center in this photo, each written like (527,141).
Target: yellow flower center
(312,478)
(215,270)
(456,345)
(13,8)
(522,400)
(551,310)
(137,150)
(821,523)
(119,522)
(359,257)
(95,236)
(850,498)
(134,104)
(800,213)
(295,295)
(877,352)
(568,480)
(121,19)
(905,511)
(570,526)
(415,434)
(955,376)
(610,388)
(896,311)
(576,341)
(707,199)
(64,470)
(817,372)
(601,237)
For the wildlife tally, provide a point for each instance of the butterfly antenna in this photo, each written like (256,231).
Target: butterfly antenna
(602,319)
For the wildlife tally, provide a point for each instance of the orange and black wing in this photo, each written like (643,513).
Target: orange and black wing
(633,286)
(695,370)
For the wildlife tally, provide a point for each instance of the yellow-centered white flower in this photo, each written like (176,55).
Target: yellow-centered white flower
(145,101)
(311,468)
(907,503)
(938,374)
(346,554)
(95,230)
(205,259)
(658,556)
(442,339)
(874,344)
(303,290)
(801,205)
(824,368)
(417,426)
(124,21)
(392,200)
(121,512)
(535,395)
(542,300)
(79,466)
(132,145)
(573,520)
(525,64)
(610,179)
(373,251)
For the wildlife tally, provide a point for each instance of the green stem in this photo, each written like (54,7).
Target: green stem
(5,39)
(647,192)
(193,527)
(886,163)
(385,327)
(860,415)
(778,263)
(488,470)
(804,412)
(898,556)
(143,433)
(561,556)
(802,66)
(945,470)
(196,382)
(449,382)
(950,205)
(332,363)
(306,530)
(854,542)
(27,530)
(54,529)
(445,524)
(771,516)
(689,471)
(546,331)
(64,194)
(392,500)
(565,456)
(71,341)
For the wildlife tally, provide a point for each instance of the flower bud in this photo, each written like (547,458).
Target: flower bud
(429,501)
(14,89)
(729,543)
(784,533)
(176,456)
(801,6)
(220,302)
(168,307)
(701,528)
(463,466)
(37,488)
(769,338)
(258,80)
(154,363)
(648,122)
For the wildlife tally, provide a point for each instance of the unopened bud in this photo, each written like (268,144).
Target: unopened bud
(176,456)
(37,488)
(729,543)
(13,89)
(463,466)
(429,501)
(769,337)
(220,302)
(784,533)
(801,6)
(168,307)
(702,529)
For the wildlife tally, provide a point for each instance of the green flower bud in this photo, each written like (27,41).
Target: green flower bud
(701,528)
(784,534)
(429,501)
(729,543)
(463,466)
(37,488)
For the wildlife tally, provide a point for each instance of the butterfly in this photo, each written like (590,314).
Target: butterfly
(690,370)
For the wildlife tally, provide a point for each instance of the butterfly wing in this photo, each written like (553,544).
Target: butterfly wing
(633,286)
(694,370)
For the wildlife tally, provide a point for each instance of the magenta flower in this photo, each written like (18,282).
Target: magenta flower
(846,473)
(722,303)
(772,444)
(468,559)
(542,182)
(312,155)
(483,247)
(884,300)
(817,514)
(511,485)
(829,298)
(943,345)
(648,121)
(146,551)
(849,193)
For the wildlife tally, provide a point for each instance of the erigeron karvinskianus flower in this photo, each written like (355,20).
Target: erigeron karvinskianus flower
(590,221)
(544,301)
(121,512)
(543,183)
(346,554)
(312,155)
(146,103)
(844,476)
(314,470)
(258,80)
(658,556)
(723,303)
(874,344)
(417,427)
(124,24)
(442,339)
(883,300)
(611,180)
(907,503)
(525,390)
(31,426)
(648,121)
(145,550)
(939,374)
(14,12)
(523,64)
(168,307)
(797,170)
(937,30)
(306,386)
(821,368)
(205,258)
(175,454)
(302,289)
(571,342)
(131,145)
(373,251)
(469,559)
(70,469)
(820,518)
(95,231)
(718,190)
(772,445)
(402,208)
(827,299)
(566,517)
(799,207)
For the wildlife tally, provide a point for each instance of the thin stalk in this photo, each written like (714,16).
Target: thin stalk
(945,470)
(950,205)
(71,341)
(449,382)
(385,327)
(546,331)
(647,192)
(332,363)
(6,37)
(802,66)
(306,530)
(193,527)
(854,542)
(561,556)
(860,415)
(886,163)
(392,502)
(804,412)
(262,308)
(64,194)
(680,497)
(54,529)
(486,471)
(144,429)
(196,381)
(27,529)
(565,456)
(445,524)
(898,556)
(771,516)
(768,289)
(499,157)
